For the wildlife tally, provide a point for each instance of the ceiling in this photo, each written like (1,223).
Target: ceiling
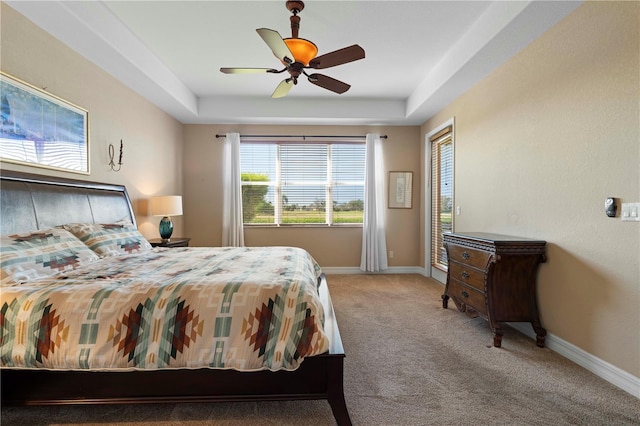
(420,55)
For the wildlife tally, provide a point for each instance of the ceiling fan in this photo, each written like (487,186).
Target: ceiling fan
(298,54)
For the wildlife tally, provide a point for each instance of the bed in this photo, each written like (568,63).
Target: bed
(177,369)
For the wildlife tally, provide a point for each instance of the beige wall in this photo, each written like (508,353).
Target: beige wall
(539,145)
(331,247)
(152,139)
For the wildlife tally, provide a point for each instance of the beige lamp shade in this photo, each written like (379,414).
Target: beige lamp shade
(169,205)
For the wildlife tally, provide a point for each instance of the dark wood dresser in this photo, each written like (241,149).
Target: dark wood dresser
(494,276)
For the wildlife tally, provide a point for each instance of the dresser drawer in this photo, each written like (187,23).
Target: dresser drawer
(472,257)
(469,276)
(467,295)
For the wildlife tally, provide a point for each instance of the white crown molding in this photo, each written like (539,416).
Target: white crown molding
(502,30)
(352,270)
(95,32)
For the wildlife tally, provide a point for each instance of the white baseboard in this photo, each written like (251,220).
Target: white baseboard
(612,374)
(339,270)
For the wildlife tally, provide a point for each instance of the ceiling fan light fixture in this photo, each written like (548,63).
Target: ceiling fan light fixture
(296,54)
(303,50)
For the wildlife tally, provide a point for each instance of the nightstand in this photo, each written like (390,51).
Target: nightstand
(173,242)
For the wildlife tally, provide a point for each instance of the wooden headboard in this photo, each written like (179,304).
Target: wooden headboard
(29,202)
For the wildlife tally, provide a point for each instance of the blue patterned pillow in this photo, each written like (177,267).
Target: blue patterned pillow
(113,239)
(41,254)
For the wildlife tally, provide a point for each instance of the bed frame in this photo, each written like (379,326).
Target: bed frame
(30,202)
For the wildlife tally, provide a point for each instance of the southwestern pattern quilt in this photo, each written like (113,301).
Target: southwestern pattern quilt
(240,308)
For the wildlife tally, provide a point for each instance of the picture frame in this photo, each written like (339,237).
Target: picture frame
(40,129)
(400,190)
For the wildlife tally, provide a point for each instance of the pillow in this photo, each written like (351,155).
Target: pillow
(111,239)
(41,254)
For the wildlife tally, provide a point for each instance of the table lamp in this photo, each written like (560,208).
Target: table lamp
(167,206)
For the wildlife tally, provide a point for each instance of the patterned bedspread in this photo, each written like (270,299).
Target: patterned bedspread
(240,308)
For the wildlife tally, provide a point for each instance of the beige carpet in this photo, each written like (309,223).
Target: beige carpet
(409,362)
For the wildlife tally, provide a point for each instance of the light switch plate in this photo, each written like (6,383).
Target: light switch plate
(630,212)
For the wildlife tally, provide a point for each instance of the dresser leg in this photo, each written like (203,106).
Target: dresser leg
(497,337)
(445,301)
(540,334)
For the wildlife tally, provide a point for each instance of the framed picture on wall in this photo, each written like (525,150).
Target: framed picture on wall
(40,129)
(400,190)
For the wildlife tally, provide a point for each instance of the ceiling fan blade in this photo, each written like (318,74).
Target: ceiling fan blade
(329,83)
(276,44)
(283,88)
(247,70)
(337,57)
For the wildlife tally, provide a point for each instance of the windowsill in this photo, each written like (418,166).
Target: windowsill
(440,267)
(303,225)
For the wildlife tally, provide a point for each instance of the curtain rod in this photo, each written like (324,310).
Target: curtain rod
(301,136)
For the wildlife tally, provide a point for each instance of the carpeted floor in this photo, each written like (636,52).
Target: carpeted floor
(409,362)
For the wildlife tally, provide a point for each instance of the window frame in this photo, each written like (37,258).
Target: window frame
(445,131)
(328,184)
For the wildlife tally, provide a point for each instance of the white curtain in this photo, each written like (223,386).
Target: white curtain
(232,230)
(374,244)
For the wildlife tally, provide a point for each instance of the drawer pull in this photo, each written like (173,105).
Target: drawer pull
(464,275)
(465,294)
(465,255)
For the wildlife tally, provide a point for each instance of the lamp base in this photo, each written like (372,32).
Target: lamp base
(166,229)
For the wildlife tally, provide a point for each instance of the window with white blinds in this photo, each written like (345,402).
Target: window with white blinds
(302,183)
(441,194)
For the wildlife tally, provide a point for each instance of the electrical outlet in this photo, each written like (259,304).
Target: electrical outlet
(390,254)
(630,212)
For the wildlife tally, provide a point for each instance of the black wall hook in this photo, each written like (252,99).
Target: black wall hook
(112,164)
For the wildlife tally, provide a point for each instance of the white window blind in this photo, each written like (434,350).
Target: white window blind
(302,183)
(441,194)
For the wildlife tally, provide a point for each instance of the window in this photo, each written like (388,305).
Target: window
(441,194)
(302,183)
